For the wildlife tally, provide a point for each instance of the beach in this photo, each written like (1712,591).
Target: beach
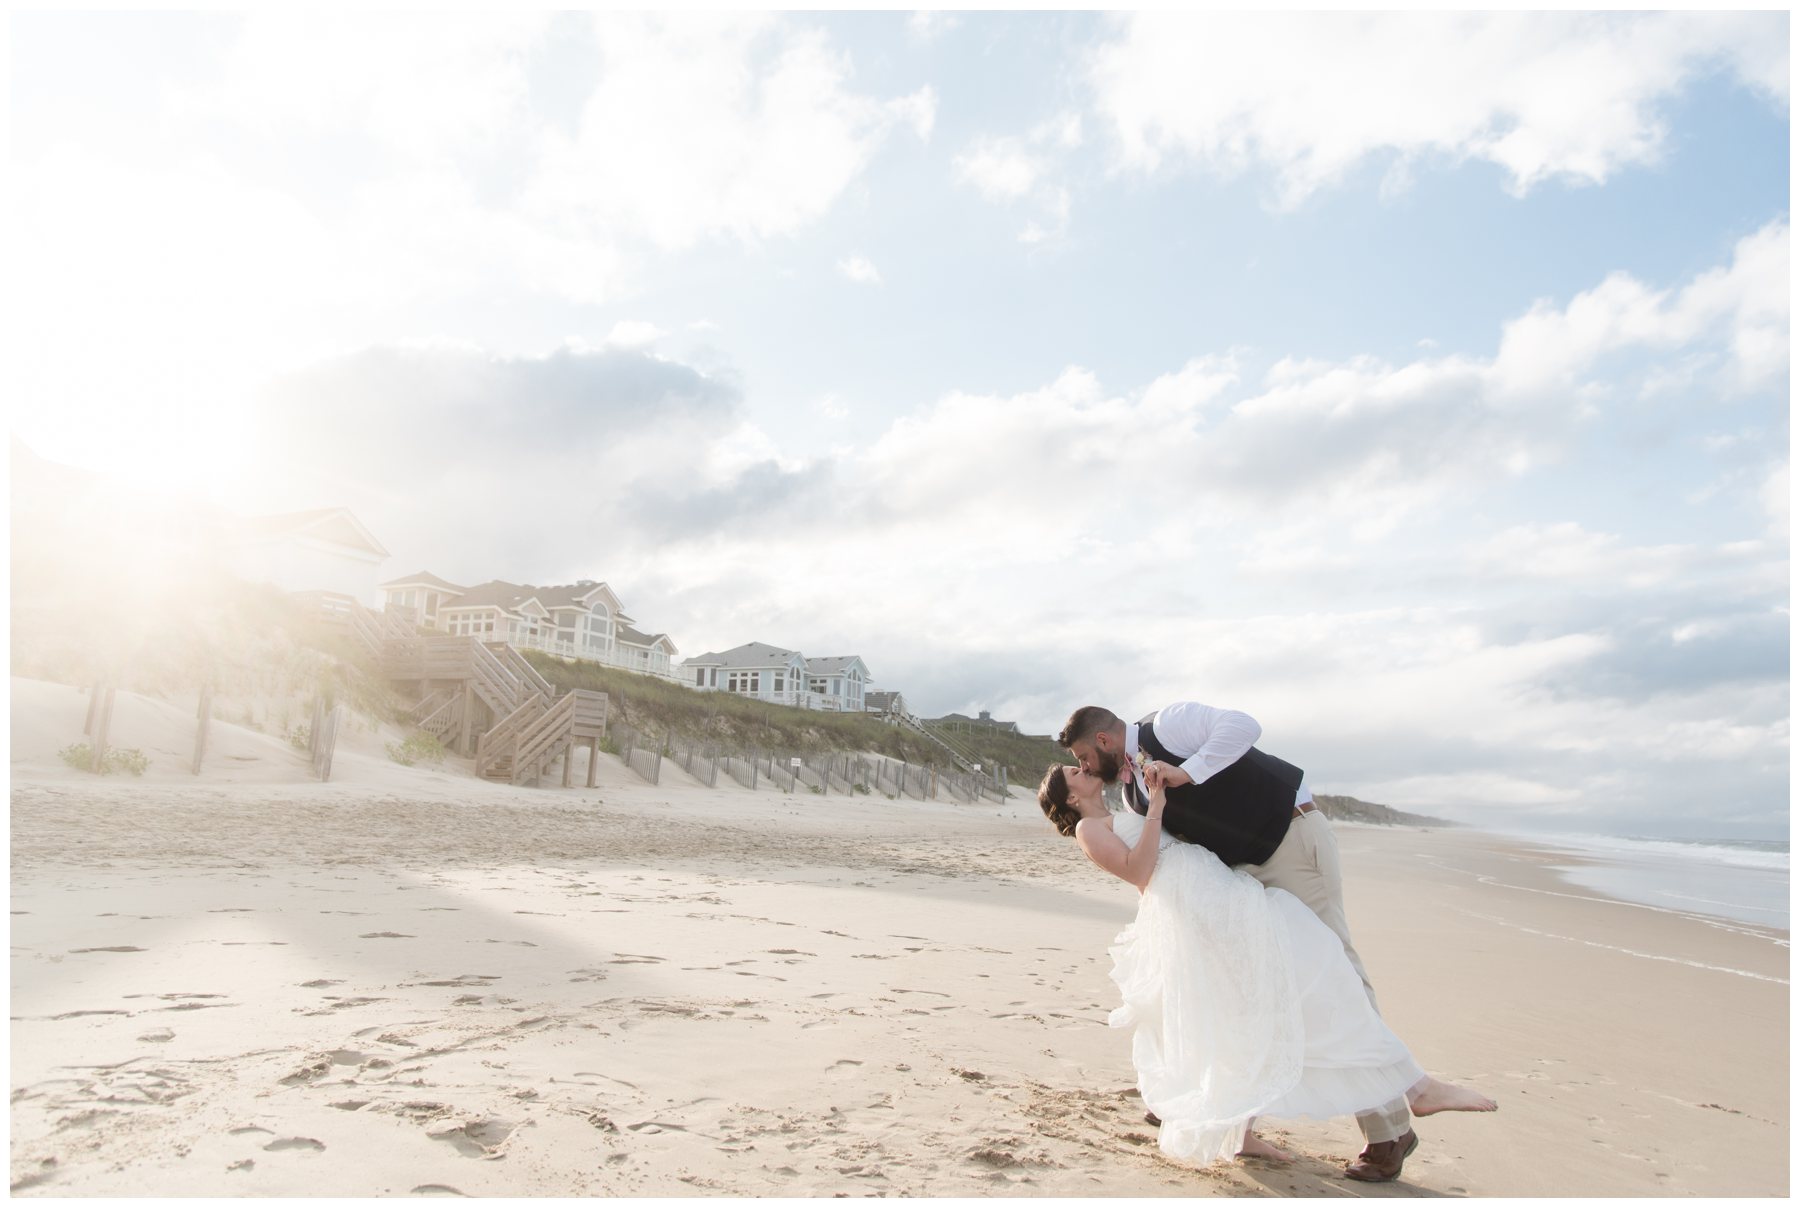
(411,982)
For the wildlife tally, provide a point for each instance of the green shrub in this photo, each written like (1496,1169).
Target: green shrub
(127,759)
(80,756)
(418,746)
(300,737)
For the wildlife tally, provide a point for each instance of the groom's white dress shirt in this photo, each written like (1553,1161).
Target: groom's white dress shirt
(1218,738)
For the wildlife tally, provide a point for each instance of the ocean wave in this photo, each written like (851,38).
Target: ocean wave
(1765,856)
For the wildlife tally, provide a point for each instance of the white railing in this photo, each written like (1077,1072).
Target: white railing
(588,654)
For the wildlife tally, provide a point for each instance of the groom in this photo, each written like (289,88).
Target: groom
(1256,814)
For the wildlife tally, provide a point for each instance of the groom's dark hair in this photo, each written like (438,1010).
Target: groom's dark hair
(1084,723)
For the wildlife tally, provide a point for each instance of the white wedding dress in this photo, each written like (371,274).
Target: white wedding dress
(1242,1004)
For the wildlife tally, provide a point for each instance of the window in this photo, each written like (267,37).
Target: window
(780,684)
(700,678)
(817,684)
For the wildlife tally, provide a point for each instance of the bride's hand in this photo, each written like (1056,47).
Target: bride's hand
(1156,780)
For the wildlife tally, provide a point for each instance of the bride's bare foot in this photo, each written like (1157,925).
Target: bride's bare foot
(1432,1096)
(1255,1147)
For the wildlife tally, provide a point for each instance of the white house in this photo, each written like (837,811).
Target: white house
(418,597)
(580,620)
(754,669)
(646,651)
(837,683)
(327,551)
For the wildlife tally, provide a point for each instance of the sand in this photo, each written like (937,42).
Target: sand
(411,982)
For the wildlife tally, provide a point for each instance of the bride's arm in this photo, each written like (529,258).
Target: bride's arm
(1133,864)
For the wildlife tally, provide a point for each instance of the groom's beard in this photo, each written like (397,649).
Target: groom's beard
(1107,764)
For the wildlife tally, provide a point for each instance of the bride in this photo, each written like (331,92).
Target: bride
(1242,1003)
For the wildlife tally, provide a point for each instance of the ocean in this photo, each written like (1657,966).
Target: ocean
(1745,880)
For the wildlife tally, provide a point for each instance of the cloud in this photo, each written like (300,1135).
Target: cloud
(927,25)
(859,269)
(633,334)
(1745,303)
(1013,169)
(701,127)
(1313,96)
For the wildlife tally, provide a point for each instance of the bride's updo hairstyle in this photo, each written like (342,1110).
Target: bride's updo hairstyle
(1053,799)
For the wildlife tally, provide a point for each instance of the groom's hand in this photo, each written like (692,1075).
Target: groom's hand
(1171,774)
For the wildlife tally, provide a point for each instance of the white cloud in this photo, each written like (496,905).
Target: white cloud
(633,334)
(1312,96)
(1000,169)
(450,84)
(926,25)
(1746,300)
(1028,168)
(859,269)
(704,127)
(1567,551)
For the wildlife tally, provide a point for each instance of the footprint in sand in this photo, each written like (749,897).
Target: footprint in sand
(385,935)
(482,1139)
(302,1143)
(634,958)
(437,1189)
(114,948)
(843,1067)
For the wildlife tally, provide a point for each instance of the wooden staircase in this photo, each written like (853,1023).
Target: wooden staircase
(529,739)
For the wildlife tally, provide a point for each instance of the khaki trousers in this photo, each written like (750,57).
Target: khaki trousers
(1306,865)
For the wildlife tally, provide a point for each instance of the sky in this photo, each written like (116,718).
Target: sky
(1416,383)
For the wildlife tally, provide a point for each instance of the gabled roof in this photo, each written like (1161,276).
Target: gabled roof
(750,654)
(424,578)
(495,593)
(326,524)
(834,664)
(632,637)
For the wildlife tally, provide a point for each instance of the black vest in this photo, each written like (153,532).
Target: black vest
(1241,812)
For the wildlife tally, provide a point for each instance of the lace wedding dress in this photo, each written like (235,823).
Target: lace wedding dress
(1242,1003)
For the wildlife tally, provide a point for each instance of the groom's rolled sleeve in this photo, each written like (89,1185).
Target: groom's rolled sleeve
(1218,738)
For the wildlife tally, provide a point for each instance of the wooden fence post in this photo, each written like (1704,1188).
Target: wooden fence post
(330,742)
(593,759)
(93,713)
(205,720)
(102,725)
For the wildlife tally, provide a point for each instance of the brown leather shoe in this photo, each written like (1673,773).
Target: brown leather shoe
(1380,1161)
(1153,1120)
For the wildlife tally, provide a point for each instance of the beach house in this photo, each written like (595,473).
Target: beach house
(837,683)
(418,597)
(581,620)
(646,652)
(754,669)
